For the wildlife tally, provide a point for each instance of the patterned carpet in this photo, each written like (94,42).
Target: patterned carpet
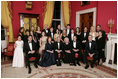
(64,71)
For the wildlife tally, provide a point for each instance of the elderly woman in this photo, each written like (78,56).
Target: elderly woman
(67,51)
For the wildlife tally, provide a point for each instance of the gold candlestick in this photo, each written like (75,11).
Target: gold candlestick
(110,26)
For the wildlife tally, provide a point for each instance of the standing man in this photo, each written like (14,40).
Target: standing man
(46,30)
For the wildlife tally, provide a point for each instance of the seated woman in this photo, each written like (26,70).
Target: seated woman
(48,54)
(67,51)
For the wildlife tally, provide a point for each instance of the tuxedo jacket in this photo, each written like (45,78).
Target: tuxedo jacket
(78,45)
(50,34)
(69,36)
(56,46)
(84,38)
(47,34)
(26,47)
(93,48)
(69,32)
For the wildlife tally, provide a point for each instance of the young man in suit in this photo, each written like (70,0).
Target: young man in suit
(31,51)
(76,54)
(68,30)
(58,47)
(84,37)
(51,33)
(46,30)
(71,35)
(59,28)
(91,51)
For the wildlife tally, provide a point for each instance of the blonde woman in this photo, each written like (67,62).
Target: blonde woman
(93,33)
(63,35)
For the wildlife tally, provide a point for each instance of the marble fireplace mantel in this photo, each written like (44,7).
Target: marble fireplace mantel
(109,51)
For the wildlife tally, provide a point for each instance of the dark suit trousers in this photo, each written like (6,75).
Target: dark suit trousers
(32,55)
(95,56)
(74,58)
(56,56)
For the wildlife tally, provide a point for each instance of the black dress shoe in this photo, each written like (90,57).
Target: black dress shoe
(79,64)
(87,66)
(92,66)
(29,72)
(71,64)
(35,65)
(74,64)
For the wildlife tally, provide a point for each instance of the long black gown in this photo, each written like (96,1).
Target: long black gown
(100,45)
(67,57)
(47,58)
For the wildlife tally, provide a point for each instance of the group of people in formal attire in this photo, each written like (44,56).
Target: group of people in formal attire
(54,46)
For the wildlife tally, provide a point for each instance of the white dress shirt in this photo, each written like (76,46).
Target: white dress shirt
(72,36)
(52,34)
(74,44)
(90,44)
(30,45)
(58,45)
(84,34)
(46,30)
(68,31)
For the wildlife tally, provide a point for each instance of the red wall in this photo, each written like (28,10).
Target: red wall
(19,7)
(105,11)
(76,6)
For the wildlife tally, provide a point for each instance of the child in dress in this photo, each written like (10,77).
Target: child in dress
(18,59)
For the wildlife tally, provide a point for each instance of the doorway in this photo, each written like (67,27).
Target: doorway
(28,20)
(86,17)
(86,20)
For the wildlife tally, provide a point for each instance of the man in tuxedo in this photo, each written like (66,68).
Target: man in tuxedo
(46,30)
(91,51)
(51,33)
(68,30)
(31,51)
(103,32)
(76,54)
(71,35)
(59,28)
(58,47)
(84,37)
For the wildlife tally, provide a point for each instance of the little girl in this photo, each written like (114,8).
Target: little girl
(18,59)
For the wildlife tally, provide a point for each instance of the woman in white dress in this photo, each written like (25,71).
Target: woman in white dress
(18,59)
(93,33)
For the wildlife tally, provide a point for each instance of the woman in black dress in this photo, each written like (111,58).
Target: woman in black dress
(67,51)
(48,54)
(78,33)
(100,46)
(21,33)
(63,35)
(38,36)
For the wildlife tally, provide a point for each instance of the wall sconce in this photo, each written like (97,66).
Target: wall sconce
(28,5)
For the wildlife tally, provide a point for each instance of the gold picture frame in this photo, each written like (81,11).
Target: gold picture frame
(83,3)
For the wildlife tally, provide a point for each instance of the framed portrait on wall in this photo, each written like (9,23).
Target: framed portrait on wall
(83,3)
